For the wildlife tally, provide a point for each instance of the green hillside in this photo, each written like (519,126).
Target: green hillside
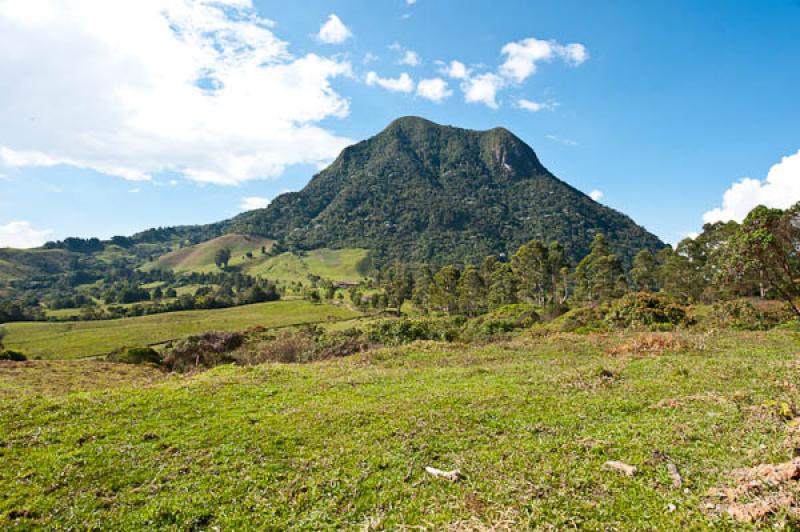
(91,338)
(421,192)
(200,257)
(349,265)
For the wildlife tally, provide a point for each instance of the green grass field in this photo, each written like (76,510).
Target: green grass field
(91,338)
(343,444)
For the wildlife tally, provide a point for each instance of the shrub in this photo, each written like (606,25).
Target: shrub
(307,345)
(501,321)
(206,350)
(14,356)
(136,355)
(742,314)
(648,310)
(580,320)
(403,331)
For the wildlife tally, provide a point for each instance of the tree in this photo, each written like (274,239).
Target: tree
(504,287)
(644,273)
(445,289)
(767,246)
(398,285)
(222,257)
(599,276)
(532,267)
(471,292)
(558,268)
(423,288)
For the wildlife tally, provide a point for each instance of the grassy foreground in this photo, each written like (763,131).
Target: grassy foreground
(343,444)
(51,340)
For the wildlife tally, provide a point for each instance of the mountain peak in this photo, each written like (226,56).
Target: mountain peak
(423,192)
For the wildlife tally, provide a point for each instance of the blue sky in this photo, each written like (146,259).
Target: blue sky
(172,112)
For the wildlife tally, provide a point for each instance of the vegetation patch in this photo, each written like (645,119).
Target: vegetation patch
(646,310)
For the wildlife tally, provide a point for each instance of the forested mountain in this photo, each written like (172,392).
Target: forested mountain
(422,192)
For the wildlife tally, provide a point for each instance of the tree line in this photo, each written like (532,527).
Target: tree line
(760,257)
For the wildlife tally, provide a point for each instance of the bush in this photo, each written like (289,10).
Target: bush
(307,345)
(501,321)
(136,355)
(580,320)
(206,350)
(403,331)
(648,310)
(744,315)
(14,356)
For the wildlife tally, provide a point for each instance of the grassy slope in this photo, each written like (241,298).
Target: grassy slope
(20,263)
(344,443)
(200,258)
(89,338)
(332,264)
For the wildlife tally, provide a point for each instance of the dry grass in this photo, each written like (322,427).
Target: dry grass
(67,376)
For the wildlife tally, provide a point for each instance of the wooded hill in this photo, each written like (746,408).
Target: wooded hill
(421,192)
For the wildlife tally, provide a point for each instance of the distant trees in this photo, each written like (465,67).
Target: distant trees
(222,257)
(599,276)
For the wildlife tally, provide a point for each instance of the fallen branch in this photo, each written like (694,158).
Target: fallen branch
(627,470)
(452,476)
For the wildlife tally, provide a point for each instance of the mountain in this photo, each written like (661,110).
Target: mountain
(423,192)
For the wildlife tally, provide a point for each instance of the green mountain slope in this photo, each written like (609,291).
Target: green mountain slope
(421,192)
(200,257)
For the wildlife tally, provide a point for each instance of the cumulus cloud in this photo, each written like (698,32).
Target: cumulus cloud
(456,70)
(434,89)
(204,89)
(522,56)
(535,107)
(410,58)
(780,190)
(561,140)
(254,202)
(483,89)
(521,62)
(596,195)
(333,31)
(403,83)
(22,235)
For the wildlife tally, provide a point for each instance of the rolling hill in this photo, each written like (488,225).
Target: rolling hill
(200,257)
(422,192)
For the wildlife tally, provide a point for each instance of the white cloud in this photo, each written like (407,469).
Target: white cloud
(411,2)
(403,83)
(22,235)
(522,57)
(434,89)
(780,190)
(254,202)
(410,58)
(535,107)
(134,190)
(369,57)
(456,70)
(561,140)
(333,31)
(483,89)
(203,89)
(596,195)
